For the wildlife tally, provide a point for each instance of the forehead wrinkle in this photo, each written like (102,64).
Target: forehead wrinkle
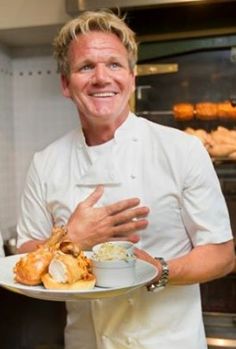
(98,42)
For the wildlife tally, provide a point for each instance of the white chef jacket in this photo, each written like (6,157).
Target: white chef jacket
(172,174)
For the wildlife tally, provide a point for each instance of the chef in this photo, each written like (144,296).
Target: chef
(188,237)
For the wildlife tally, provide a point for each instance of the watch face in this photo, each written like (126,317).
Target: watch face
(151,287)
(155,287)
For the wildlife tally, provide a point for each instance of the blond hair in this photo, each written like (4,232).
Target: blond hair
(102,20)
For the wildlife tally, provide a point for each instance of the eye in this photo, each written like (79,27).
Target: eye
(115,65)
(86,67)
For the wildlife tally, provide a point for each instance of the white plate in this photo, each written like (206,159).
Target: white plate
(145,272)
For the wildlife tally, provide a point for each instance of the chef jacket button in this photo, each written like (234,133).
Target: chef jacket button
(133,176)
(129,340)
(131,301)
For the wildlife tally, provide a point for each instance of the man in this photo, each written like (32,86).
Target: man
(171,174)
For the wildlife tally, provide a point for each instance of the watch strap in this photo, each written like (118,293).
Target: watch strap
(163,280)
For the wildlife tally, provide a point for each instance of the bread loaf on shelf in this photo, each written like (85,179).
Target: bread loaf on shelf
(220,143)
(202,135)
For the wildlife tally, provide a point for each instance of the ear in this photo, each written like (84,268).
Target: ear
(133,82)
(65,84)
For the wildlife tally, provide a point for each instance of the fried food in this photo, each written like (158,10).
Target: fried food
(68,272)
(58,263)
(32,266)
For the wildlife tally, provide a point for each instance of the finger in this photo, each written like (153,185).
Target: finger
(130,227)
(122,205)
(141,254)
(132,238)
(93,198)
(129,215)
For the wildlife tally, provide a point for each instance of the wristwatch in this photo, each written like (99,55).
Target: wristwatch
(162,282)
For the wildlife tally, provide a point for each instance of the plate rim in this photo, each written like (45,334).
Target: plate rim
(39,289)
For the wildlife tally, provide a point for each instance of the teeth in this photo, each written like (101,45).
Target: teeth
(104,94)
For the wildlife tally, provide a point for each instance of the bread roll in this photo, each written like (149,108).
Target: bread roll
(223,137)
(82,284)
(206,111)
(183,111)
(232,156)
(221,150)
(205,137)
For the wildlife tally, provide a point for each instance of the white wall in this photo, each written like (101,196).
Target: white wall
(32,114)
(31,13)
(7,163)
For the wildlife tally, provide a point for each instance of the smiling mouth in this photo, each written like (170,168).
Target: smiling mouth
(103,94)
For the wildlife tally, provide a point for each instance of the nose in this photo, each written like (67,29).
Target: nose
(101,75)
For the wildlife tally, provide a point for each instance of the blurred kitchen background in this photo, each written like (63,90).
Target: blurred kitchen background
(187,55)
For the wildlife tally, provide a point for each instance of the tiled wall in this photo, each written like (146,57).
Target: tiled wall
(33,112)
(7,163)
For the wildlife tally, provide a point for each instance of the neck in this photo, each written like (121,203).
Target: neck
(100,133)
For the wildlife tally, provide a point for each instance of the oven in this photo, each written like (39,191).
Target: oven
(219,296)
(198,76)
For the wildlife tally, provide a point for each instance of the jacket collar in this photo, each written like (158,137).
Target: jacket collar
(104,170)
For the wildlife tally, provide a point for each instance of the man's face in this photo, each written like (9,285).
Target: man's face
(100,81)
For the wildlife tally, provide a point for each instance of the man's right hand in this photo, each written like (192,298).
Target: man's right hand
(89,225)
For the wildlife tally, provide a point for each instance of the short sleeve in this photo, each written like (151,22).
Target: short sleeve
(35,221)
(204,209)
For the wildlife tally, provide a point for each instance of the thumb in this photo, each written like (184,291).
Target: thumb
(93,198)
